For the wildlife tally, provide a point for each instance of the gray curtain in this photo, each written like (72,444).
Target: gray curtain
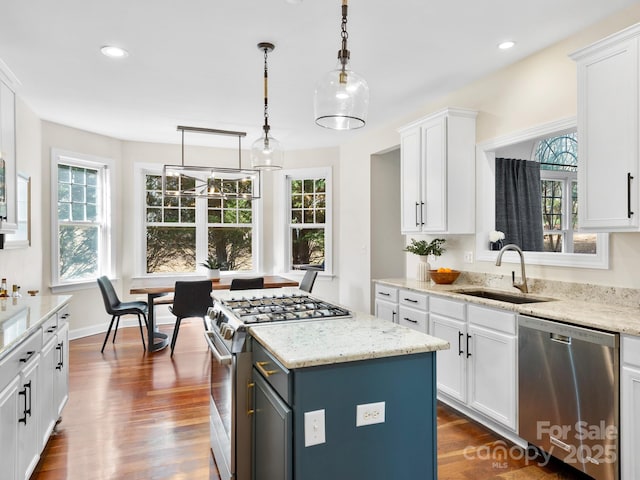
(519,203)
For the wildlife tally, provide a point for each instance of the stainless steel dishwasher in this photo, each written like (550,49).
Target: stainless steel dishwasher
(568,394)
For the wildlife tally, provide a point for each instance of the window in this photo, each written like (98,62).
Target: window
(309,219)
(81,222)
(559,189)
(181,231)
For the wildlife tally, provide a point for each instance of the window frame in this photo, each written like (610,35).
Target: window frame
(307,174)
(567,179)
(106,242)
(485,203)
(140,245)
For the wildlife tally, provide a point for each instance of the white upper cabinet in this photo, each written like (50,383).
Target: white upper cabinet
(438,173)
(8,192)
(609,132)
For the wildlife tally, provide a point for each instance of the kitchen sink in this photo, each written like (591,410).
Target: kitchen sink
(503,296)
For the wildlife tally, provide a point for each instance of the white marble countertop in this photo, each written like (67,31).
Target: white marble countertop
(20,317)
(324,342)
(597,314)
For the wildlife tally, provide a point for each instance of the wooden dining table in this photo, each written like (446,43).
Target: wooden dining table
(157,340)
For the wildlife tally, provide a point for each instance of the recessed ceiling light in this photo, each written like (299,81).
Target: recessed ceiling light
(506,45)
(113,52)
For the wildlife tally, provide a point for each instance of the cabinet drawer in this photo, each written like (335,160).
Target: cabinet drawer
(493,319)
(631,350)
(449,308)
(273,372)
(412,318)
(11,365)
(389,294)
(63,315)
(413,299)
(49,329)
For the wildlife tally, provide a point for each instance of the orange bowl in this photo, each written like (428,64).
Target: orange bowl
(444,278)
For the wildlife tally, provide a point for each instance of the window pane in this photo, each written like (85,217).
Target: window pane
(64,212)
(78,252)
(296,201)
(171,249)
(296,186)
(78,176)
(308,186)
(230,216)
(296,216)
(553,243)
(232,247)
(64,192)
(154,199)
(92,213)
(154,215)
(92,178)
(551,205)
(92,195)
(77,193)
(64,174)
(77,212)
(584,243)
(307,248)
(171,215)
(188,215)
(215,216)
(321,185)
(244,216)
(154,182)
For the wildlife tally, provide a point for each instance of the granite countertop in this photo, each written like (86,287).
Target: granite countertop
(324,342)
(20,317)
(609,316)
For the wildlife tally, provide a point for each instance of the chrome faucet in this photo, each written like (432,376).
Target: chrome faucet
(520,286)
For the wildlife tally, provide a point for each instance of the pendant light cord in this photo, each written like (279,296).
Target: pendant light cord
(343,54)
(266,100)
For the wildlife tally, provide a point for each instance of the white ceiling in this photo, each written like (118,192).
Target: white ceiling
(195,62)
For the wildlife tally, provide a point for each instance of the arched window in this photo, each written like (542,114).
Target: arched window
(558,158)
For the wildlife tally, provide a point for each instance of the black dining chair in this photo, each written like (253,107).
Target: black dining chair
(308,280)
(116,309)
(190,299)
(246,283)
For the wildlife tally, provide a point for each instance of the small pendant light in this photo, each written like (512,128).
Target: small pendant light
(266,151)
(342,96)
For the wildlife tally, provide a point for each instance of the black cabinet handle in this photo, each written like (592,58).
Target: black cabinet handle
(417,207)
(468,351)
(60,348)
(421,210)
(52,329)
(409,320)
(27,357)
(629,178)
(460,351)
(411,300)
(385,294)
(25,411)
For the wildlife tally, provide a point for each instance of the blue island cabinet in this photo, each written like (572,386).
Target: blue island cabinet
(402,446)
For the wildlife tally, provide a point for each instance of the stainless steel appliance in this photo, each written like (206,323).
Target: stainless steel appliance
(568,394)
(231,384)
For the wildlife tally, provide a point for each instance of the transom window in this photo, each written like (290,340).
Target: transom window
(182,231)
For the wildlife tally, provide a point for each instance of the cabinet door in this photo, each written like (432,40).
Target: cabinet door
(608,131)
(28,434)
(630,420)
(48,412)
(434,176)
(61,369)
(411,202)
(387,311)
(491,371)
(9,407)
(451,364)
(273,434)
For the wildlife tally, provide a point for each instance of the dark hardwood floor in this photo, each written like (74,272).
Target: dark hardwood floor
(133,415)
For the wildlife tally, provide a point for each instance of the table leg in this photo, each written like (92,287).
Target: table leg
(156,340)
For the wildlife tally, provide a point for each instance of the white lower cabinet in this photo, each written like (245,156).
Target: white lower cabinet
(630,408)
(9,430)
(386,302)
(34,386)
(479,370)
(402,306)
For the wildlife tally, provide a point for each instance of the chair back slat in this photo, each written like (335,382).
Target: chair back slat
(192,299)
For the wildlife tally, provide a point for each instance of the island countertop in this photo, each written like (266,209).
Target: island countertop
(324,342)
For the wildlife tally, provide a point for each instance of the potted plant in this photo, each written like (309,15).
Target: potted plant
(423,249)
(213,267)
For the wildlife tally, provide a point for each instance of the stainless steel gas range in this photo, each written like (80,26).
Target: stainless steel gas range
(233,312)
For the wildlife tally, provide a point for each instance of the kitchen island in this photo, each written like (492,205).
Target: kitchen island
(348,398)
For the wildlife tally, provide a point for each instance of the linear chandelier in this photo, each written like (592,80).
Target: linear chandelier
(211,182)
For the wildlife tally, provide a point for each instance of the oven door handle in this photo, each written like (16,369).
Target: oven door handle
(220,357)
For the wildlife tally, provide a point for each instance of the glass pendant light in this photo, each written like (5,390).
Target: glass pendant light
(266,151)
(342,96)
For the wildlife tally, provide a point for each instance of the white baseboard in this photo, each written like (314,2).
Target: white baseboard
(128,321)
